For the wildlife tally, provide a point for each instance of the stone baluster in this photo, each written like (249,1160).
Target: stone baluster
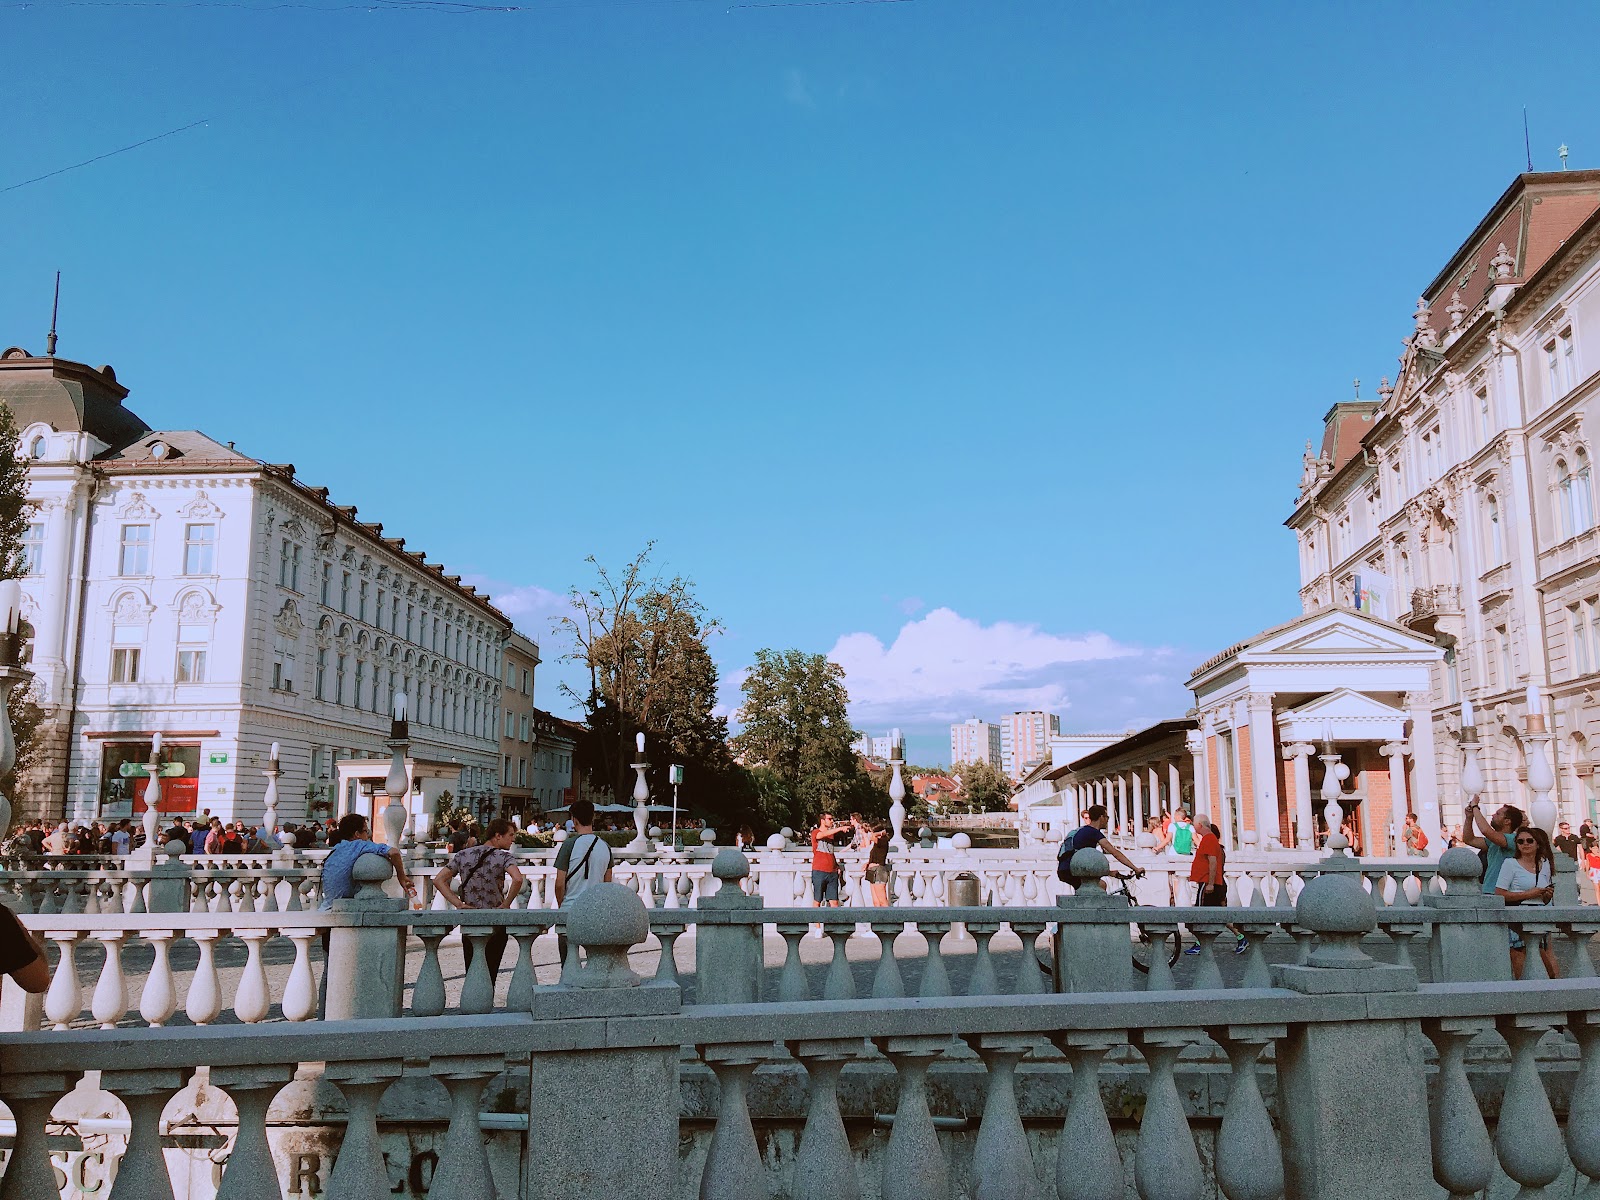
(1030,980)
(1579,936)
(109,1004)
(1583,1108)
(1088,1166)
(463,1172)
(300,992)
(142,1173)
(250,1173)
(73,891)
(239,900)
(29,1174)
(477,990)
(1256,972)
(984,981)
(825,1169)
(1002,1164)
(204,1002)
(427,994)
(1248,1160)
(1527,1138)
(1463,1155)
(1401,935)
(887,982)
(1207,973)
(792,978)
(253,1000)
(64,1000)
(734,1170)
(363,976)
(1166,1165)
(914,1165)
(1092,955)
(667,963)
(1159,976)
(358,1171)
(935,979)
(159,999)
(519,992)
(839,984)
(91,894)
(1285,896)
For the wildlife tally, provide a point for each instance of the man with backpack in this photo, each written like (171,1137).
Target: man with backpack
(1090,836)
(482,873)
(583,860)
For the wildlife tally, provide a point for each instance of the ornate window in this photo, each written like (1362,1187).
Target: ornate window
(130,622)
(32,559)
(1582,493)
(133,557)
(1496,547)
(320,690)
(199,549)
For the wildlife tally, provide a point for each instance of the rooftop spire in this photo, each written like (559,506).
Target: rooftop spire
(55,309)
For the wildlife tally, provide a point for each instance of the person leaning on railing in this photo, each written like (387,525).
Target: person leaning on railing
(337,880)
(488,878)
(22,954)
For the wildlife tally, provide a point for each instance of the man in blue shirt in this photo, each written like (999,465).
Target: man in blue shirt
(353,843)
(1498,840)
(1091,835)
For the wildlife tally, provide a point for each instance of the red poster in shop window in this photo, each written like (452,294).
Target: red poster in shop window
(179,794)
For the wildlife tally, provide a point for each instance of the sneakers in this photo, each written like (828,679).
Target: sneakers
(1194,949)
(1241,945)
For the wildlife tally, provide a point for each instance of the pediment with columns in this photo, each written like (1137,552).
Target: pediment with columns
(1345,714)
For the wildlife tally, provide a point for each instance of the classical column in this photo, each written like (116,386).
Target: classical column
(1396,753)
(1263,814)
(1153,791)
(1299,754)
(1138,804)
(1195,742)
(1425,779)
(1174,785)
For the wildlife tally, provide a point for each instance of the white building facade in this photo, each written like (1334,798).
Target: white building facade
(1461,503)
(975,740)
(174,585)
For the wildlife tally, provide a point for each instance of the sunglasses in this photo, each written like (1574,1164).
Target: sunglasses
(1526,842)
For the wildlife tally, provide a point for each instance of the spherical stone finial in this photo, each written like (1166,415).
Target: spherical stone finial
(1335,904)
(608,915)
(174,849)
(1090,866)
(708,837)
(776,842)
(607,920)
(786,834)
(1460,868)
(961,842)
(730,866)
(655,832)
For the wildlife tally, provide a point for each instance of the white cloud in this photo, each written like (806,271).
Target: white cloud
(531,608)
(944,667)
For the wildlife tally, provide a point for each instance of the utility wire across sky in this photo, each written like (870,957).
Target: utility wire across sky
(98,157)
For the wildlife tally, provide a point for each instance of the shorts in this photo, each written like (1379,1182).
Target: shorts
(824,886)
(877,872)
(1206,896)
(1541,940)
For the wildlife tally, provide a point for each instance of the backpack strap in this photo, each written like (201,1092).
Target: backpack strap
(584,861)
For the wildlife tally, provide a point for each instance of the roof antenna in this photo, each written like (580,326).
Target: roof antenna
(1357,384)
(55,308)
(1562,151)
(1527,146)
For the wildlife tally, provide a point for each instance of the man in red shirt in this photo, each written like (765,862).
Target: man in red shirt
(1210,885)
(824,866)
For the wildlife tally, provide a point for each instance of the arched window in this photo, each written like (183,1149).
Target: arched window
(1582,495)
(1564,515)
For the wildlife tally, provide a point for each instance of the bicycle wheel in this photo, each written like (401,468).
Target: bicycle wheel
(1145,947)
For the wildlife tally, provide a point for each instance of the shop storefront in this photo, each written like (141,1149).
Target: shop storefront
(122,793)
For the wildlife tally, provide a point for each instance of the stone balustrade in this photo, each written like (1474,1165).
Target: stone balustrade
(1081,943)
(1325,1089)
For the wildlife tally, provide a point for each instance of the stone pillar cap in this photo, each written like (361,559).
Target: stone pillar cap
(609,915)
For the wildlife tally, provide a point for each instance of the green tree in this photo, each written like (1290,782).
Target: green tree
(794,725)
(15,510)
(644,641)
(985,787)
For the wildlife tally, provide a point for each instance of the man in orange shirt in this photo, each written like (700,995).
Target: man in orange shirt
(1211,887)
(824,866)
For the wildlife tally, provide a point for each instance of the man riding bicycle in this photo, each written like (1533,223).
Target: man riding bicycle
(1092,836)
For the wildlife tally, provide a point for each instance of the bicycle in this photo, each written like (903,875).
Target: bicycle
(1146,944)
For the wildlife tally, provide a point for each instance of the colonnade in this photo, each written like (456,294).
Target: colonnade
(1132,794)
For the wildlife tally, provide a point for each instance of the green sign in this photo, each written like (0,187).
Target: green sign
(675,775)
(218,758)
(130,770)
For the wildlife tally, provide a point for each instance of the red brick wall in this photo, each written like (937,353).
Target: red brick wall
(1247,782)
(1213,770)
(1286,800)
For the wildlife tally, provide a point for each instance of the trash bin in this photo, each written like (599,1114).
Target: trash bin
(961,890)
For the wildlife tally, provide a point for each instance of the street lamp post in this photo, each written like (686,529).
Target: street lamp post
(1332,793)
(1542,809)
(641,800)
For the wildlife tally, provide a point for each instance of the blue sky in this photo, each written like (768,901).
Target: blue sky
(972,342)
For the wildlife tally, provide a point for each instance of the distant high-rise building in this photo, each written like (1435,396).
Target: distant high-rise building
(874,747)
(975,740)
(1024,739)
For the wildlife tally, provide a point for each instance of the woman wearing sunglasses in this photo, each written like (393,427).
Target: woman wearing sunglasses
(1526,879)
